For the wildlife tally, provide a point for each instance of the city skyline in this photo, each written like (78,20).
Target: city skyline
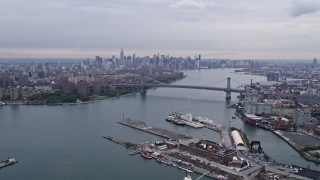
(214,29)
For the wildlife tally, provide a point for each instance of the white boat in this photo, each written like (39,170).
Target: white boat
(207,121)
(186,117)
(194,124)
(188,177)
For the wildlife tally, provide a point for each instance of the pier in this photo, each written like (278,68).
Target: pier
(121,142)
(153,130)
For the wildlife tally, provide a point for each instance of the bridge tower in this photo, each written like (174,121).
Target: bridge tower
(228,91)
(142,89)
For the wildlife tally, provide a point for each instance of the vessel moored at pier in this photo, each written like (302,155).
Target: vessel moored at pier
(181,119)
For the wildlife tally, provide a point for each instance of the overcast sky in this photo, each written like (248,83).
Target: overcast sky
(260,29)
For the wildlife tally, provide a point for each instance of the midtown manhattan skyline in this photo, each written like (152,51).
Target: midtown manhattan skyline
(287,29)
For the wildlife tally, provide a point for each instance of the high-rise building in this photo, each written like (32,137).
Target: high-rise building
(82,88)
(23,80)
(98,60)
(314,63)
(14,94)
(5,81)
(1,93)
(301,117)
(273,76)
(133,60)
(198,59)
(121,56)
(250,100)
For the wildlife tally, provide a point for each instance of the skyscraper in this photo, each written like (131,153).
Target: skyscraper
(121,56)
(314,63)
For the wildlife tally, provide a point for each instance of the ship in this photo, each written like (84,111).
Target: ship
(174,120)
(206,121)
(146,155)
(188,120)
(8,162)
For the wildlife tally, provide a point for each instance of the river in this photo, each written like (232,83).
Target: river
(64,142)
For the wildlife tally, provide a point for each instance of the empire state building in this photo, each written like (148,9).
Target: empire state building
(121,56)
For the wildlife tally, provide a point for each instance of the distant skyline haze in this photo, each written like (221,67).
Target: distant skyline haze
(247,29)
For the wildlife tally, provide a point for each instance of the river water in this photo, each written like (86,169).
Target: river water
(64,142)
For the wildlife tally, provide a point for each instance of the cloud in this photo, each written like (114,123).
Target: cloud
(300,8)
(188,4)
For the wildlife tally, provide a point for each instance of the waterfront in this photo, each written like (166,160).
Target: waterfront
(64,142)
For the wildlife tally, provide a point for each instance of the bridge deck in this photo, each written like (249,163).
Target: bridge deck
(180,86)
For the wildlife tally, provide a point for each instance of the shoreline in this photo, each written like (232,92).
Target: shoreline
(285,139)
(60,104)
(16,103)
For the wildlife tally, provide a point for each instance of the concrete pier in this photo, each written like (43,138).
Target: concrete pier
(153,130)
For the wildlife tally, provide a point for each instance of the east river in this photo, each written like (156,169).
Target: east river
(64,142)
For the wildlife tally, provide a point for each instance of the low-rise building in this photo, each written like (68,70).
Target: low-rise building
(208,150)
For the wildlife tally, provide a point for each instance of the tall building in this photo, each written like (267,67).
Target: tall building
(314,63)
(23,80)
(250,100)
(133,59)
(98,60)
(198,59)
(1,93)
(301,117)
(273,76)
(5,81)
(82,88)
(14,94)
(121,56)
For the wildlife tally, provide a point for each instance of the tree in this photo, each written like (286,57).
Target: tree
(263,169)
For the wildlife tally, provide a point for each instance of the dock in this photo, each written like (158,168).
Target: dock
(121,142)
(153,130)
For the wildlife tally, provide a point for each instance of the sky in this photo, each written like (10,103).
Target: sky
(234,29)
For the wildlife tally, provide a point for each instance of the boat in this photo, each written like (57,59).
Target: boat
(207,121)
(185,117)
(188,170)
(174,120)
(233,117)
(146,155)
(194,124)
(188,177)
(8,162)
(166,163)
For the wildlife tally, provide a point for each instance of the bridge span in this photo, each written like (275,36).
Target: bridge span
(179,86)
(143,87)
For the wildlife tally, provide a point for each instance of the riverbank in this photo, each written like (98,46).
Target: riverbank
(296,143)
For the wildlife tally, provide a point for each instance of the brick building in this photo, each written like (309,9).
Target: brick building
(209,150)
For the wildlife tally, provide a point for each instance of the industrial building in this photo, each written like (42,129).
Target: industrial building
(238,141)
(209,150)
